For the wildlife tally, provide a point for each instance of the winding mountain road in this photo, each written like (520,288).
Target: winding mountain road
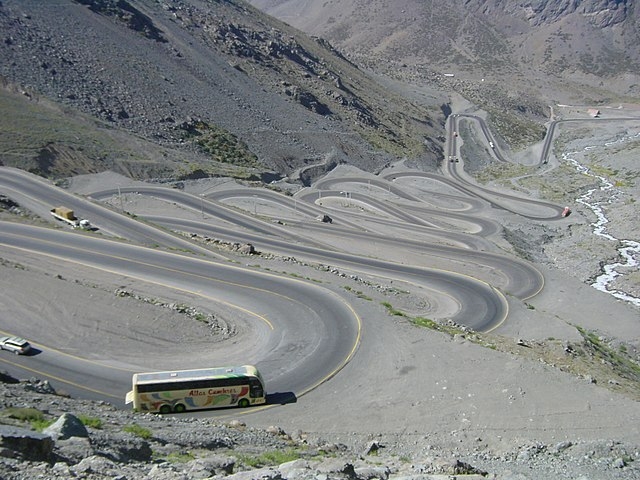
(304,333)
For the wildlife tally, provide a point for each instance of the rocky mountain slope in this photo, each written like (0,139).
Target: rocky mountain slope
(192,88)
(513,59)
(213,86)
(569,41)
(82,439)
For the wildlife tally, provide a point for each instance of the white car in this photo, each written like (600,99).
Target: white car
(17,345)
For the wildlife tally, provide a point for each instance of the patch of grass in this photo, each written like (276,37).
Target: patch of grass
(41,424)
(563,184)
(428,323)
(180,457)
(622,184)
(22,414)
(272,458)
(425,322)
(34,417)
(357,293)
(92,422)
(138,431)
(297,275)
(440,327)
(397,291)
(392,311)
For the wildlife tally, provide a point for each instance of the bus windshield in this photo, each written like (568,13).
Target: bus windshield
(181,390)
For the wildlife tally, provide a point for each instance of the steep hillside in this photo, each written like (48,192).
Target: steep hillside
(215,87)
(511,58)
(565,39)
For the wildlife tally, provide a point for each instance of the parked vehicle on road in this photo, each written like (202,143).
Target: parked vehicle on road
(66,215)
(17,345)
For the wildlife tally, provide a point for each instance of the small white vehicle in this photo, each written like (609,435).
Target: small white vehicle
(17,345)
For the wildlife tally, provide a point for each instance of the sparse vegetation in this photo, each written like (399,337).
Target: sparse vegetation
(450,329)
(137,430)
(244,130)
(53,141)
(221,145)
(357,293)
(92,422)
(34,417)
(502,172)
(593,357)
(393,311)
(596,347)
(22,414)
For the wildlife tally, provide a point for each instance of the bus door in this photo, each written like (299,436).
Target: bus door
(255,388)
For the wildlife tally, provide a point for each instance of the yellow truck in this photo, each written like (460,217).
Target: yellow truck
(66,215)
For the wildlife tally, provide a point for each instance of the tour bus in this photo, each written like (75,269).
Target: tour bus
(203,388)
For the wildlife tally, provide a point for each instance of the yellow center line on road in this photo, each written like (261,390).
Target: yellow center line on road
(59,379)
(237,307)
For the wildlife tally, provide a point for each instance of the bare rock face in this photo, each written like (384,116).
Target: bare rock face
(601,13)
(16,442)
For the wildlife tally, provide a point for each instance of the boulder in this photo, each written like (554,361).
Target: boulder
(95,465)
(67,426)
(212,465)
(29,445)
(247,249)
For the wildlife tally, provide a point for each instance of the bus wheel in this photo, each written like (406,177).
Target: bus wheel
(179,408)
(164,409)
(244,403)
